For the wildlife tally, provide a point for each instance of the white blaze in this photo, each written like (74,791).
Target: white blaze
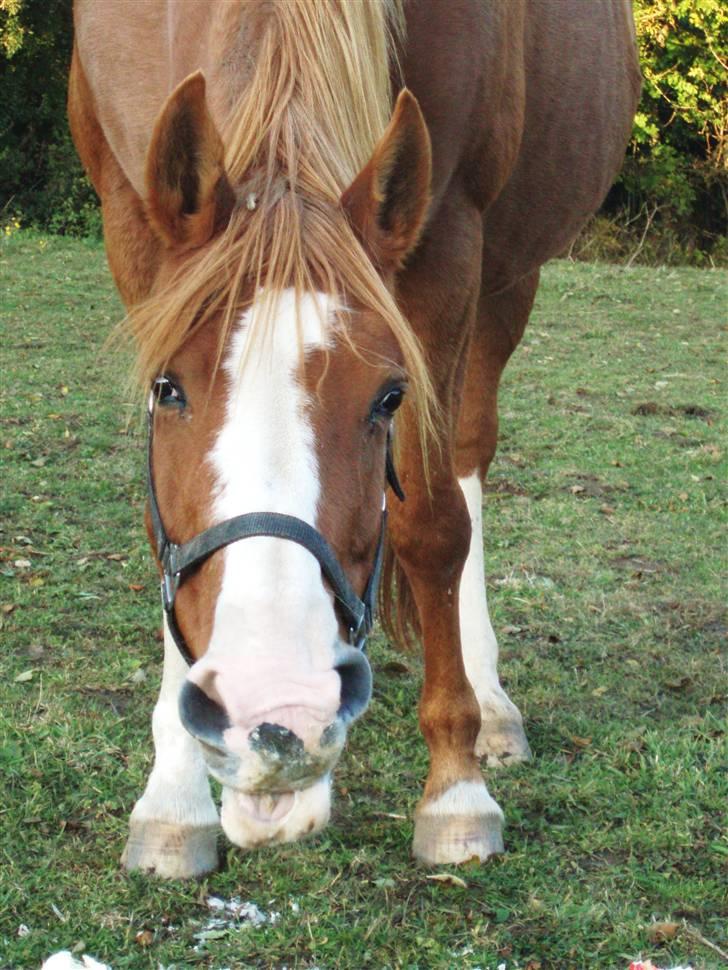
(274,621)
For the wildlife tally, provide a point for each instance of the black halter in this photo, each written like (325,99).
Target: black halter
(178,561)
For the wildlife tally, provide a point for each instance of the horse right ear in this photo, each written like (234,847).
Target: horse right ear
(387,202)
(189,197)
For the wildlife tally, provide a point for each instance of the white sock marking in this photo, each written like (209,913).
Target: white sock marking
(463,798)
(480,647)
(178,791)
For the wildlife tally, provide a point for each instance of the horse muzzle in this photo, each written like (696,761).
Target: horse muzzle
(271,738)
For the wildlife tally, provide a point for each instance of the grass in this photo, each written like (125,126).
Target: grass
(604,548)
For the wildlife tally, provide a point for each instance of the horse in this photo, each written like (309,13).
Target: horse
(320,215)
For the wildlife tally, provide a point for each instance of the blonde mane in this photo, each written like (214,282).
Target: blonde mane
(307,121)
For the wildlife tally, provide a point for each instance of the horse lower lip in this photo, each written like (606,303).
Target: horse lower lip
(267,808)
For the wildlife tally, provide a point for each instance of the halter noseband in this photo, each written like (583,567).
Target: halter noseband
(178,561)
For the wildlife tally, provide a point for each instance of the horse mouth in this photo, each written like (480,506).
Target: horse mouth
(271,771)
(270,807)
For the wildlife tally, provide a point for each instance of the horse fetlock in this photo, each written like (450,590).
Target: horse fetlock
(250,821)
(501,739)
(462,824)
(171,850)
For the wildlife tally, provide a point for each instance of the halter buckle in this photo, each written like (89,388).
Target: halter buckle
(358,634)
(170,585)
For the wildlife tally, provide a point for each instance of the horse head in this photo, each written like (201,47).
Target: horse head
(270,423)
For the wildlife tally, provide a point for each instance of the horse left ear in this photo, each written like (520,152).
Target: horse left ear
(388,200)
(189,197)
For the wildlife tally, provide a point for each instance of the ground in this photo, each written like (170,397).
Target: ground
(604,552)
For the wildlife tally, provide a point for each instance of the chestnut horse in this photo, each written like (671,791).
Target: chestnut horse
(312,209)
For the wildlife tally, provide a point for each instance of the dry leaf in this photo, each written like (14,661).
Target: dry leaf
(144,938)
(24,677)
(448,877)
(580,742)
(598,691)
(136,587)
(8,608)
(660,932)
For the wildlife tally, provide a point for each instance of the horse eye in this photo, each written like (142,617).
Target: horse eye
(389,402)
(166,392)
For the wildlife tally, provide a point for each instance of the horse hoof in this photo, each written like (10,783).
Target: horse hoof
(171,851)
(253,820)
(502,743)
(462,824)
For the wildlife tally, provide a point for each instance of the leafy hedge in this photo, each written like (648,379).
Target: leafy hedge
(41,180)
(675,176)
(674,185)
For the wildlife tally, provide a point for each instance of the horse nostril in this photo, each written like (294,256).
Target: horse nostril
(202,716)
(276,741)
(356,682)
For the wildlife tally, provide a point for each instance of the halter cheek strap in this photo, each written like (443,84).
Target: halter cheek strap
(179,560)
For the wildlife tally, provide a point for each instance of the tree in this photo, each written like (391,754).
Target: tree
(41,179)
(678,156)
(675,174)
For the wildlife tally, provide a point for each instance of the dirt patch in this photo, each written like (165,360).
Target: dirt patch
(638,565)
(679,439)
(652,408)
(117,700)
(503,486)
(589,486)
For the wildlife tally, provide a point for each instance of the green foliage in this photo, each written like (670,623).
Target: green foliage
(41,180)
(683,49)
(676,165)
(674,182)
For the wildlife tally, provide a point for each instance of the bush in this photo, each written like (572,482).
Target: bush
(42,182)
(674,183)
(671,200)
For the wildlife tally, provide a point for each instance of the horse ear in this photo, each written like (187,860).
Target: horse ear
(388,200)
(189,196)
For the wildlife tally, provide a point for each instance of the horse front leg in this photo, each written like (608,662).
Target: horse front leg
(501,739)
(174,826)
(499,326)
(456,819)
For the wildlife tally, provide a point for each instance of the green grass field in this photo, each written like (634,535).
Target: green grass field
(605,545)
